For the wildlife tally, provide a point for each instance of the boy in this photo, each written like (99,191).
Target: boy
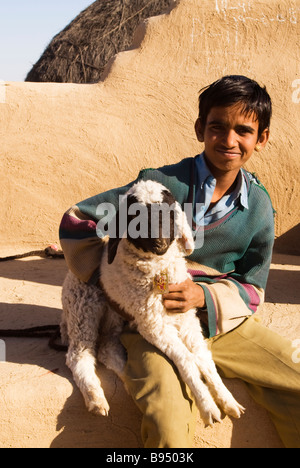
(229,271)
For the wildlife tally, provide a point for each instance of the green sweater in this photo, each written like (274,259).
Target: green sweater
(232,265)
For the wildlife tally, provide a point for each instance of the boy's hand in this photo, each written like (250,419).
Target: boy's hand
(183,297)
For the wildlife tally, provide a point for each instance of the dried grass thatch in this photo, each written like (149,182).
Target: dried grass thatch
(79,53)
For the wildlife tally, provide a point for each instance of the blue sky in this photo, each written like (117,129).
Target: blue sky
(27,27)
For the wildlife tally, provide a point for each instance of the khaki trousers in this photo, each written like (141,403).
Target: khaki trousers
(251,352)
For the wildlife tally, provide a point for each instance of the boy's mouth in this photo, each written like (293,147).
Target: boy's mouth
(229,154)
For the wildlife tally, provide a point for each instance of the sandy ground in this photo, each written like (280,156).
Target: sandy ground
(40,406)
(62,143)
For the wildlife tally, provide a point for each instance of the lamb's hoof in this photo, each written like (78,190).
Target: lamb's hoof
(234,409)
(99,407)
(210,415)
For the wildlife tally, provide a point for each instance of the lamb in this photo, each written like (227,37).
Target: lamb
(135,269)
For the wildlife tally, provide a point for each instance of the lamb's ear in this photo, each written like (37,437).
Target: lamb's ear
(114,241)
(112,247)
(184,231)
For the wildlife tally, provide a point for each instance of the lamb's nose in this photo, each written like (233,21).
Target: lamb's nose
(160,242)
(160,246)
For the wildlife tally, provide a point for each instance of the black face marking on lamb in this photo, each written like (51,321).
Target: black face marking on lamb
(151,226)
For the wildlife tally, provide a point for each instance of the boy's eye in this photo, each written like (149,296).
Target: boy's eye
(244,130)
(240,130)
(216,127)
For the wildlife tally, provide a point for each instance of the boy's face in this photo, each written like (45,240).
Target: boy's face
(230,137)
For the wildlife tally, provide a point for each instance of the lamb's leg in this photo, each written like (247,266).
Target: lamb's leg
(193,338)
(82,363)
(165,337)
(221,394)
(64,331)
(111,352)
(83,308)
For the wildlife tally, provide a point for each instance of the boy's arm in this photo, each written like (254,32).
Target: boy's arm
(231,299)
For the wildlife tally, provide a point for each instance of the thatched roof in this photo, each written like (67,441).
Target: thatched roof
(79,53)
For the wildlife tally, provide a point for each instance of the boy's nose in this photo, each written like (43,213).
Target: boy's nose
(230,139)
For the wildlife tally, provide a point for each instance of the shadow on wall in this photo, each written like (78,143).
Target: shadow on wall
(289,243)
(282,287)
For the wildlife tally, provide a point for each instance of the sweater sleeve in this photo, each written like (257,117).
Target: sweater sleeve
(232,297)
(82,232)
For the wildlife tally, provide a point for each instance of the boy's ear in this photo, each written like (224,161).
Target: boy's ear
(199,130)
(263,140)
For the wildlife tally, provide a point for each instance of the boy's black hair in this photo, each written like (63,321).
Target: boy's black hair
(234,89)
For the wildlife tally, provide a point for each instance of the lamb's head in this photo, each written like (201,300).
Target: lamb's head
(152,220)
